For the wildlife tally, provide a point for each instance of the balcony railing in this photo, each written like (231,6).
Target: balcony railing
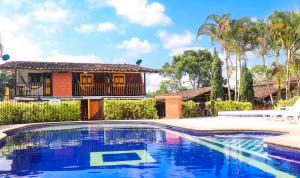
(81,89)
(33,89)
(108,89)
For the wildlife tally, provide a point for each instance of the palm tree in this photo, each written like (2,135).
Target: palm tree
(287,25)
(275,47)
(218,28)
(241,43)
(263,33)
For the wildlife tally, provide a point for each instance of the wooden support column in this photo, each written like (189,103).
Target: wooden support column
(145,92)
(89,109)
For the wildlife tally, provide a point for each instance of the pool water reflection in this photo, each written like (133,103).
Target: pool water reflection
(125,151)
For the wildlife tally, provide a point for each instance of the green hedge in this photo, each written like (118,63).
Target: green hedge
(190,109)
(13,112)
(287,103)
(230,105)
(130,109)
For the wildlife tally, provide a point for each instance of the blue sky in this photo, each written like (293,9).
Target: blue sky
(116,31)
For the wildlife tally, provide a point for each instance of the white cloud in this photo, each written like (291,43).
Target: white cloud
(180,50)
(135,45)
(106,26)
(153,81)
(58,57)
(96,3)
(174,40)
(9,25)
(101,27)
(177,43)
(16,4)
(85,28)
(16,43)
(46,29)
(141,11)
(50,12)
(254,19)
(21,47)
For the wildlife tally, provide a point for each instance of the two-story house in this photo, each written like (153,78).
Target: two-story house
(84,81)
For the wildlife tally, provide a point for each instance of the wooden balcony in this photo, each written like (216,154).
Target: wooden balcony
(108,89)
(80,89)
(32,90)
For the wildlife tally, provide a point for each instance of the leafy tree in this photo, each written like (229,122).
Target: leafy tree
(219,29)
(258,73)
(193,64)
(278,74)
(275,47)
(242,41)
(247,93)
(287,25)
(217,89)
(6,80)
(295,72)
(175,75)
(263,33)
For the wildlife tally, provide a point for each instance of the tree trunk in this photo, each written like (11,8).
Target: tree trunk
(267,80)
(278,79)
(240,68)
(227,74)
(236,75)
(298,85)
(279,87)
(287,80)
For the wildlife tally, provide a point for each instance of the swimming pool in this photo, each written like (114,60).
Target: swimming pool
(138,151)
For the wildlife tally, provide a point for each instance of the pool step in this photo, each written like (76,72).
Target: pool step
(254,145)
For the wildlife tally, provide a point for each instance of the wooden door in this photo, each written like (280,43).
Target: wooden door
(86,84)
(47,86)
(119,84)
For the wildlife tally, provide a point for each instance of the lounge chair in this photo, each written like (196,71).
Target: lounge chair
(289,114)
(293,113)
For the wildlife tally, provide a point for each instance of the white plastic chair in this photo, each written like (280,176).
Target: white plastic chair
(292,114)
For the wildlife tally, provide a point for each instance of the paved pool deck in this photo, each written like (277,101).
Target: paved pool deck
(290,138)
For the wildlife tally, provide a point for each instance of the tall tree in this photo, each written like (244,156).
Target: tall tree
(217,89)
(287,25)
(275,47)
(192,64)
(219,28)
(242,40)
(175,75)
(6,80)
(295,72)
(258,73)
(262,38)
(247,93)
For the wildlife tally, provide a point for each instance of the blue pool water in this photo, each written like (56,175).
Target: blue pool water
(140,151)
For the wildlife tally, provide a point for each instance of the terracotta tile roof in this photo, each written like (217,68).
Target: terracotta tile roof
(189,94)
(262,91)
(63,66)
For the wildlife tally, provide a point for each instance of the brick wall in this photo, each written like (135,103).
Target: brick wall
(62,84)
(173,107)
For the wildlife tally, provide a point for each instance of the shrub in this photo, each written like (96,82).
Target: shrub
(130,109)
(230,105)
(287,103)
(13,112)
(189,109)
